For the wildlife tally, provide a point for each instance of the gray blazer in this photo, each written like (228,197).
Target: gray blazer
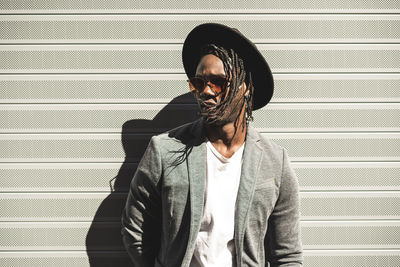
(165,203)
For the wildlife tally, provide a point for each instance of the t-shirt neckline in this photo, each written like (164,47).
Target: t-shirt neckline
(238,153)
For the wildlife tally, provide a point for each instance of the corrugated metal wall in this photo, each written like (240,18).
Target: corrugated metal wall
(76,74)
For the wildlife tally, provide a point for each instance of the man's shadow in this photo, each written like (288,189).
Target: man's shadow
(104,245)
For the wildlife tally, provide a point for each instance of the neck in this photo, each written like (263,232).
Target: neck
(226,133)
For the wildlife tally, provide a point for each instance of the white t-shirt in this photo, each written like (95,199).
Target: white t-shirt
(215,244)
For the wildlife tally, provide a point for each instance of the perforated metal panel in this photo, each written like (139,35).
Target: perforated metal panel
(65,259)
(273,118)
(117,88)
(162,88)
(61,206)
(66,177)
(342,176)
(353,258)
(339,146)
(167,58)
(167,28)
(350,205)
(71,147)
(312,258)
(83,206)
(179,6)
(61,236)
(108,147)
(107,177)
(52,236)
(351,235)
(336,88)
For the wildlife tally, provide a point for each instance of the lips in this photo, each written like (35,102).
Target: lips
(205,100)
(207,107)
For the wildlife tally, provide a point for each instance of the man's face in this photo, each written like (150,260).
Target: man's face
(211,65)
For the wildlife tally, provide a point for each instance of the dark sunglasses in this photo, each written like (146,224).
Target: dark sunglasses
(217,83)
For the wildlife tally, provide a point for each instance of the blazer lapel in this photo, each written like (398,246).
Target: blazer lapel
(196,164)
(252,157)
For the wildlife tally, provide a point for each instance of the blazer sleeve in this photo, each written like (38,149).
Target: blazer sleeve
(283,246)
(141,216)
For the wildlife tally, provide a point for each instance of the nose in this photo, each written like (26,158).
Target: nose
(208,89)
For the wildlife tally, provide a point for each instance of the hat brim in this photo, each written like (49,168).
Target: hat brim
(227,37)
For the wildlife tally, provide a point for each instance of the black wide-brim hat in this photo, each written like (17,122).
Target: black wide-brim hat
(227,37)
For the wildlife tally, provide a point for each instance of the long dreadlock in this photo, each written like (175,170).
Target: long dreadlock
(236,75)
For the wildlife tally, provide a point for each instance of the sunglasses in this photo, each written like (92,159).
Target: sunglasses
(217,83)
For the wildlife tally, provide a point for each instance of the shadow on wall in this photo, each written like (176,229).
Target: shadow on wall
(104,236)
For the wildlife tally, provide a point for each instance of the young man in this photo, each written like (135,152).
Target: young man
(215,192)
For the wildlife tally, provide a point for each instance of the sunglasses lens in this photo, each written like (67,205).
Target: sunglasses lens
(198,83)
(216,83)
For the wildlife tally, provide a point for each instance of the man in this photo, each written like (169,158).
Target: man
(215,192)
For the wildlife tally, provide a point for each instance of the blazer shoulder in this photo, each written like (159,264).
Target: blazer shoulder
(180,136)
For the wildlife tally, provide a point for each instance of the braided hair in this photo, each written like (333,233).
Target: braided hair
(236,74)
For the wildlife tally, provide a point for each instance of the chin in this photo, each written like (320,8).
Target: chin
(217,123)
